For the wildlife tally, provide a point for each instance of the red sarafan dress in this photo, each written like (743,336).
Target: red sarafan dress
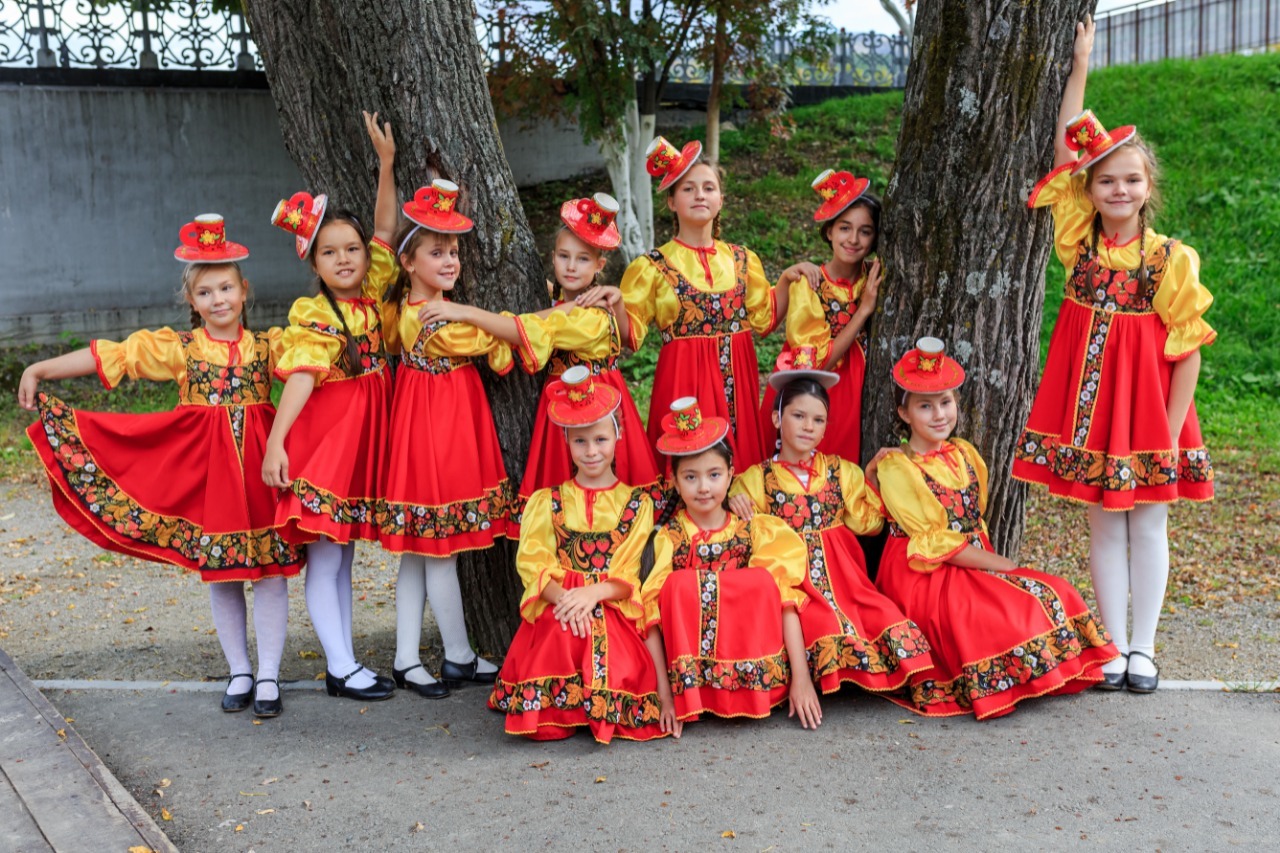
(852,631)
(718,597)
(564,339)
(446,487)
(706,303)
(552,682)
(997,638)
(182,487)
(815,319)
(337,446)
(1098,432)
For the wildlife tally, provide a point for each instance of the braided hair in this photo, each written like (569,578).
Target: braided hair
(349,360)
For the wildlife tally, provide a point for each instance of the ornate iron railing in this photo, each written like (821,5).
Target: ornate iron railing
(1167,29)
(855,59)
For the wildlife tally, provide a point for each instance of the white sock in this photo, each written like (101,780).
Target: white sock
(324,604)
(226,601)
(270,625)
(1109,568)
(411,597)
(1149,575)
(445,594)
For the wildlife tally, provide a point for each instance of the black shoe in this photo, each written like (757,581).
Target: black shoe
(1113,681)
(434,690)
(454,674)
(232,702)
(374,693)
(1144,683)
(268,707)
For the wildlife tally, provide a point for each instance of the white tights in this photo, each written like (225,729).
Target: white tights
(328,589)
(434,578)
(270,620)
(1129,563)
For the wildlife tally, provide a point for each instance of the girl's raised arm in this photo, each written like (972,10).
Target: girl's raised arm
(1073,94)
(66,366)
(386,213)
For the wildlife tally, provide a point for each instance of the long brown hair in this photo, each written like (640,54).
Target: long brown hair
(349,361)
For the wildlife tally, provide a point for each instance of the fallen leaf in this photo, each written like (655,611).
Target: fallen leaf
(257,722)
(540,765)
(906,722)
(266,811)
(165,814)
(417,827)
(728,833)
(253,793)
(164,783)
(69,719)
(269,781)
(62,733)
(141,849)
(365,708)
(306,804)
(600,779)
(307,654)
(239,827)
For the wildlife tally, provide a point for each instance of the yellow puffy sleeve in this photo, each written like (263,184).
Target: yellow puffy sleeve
(640,285)
(751,483)
(861,503)
(762,308)
(777,549)
(589,332)
(157,355)
(624,565)
(806,321)
(1181,302)
(275,345)
(383,269)
(536,558)
(1072,210)
(313,342)
(652,590)
(913,506)
(464,339)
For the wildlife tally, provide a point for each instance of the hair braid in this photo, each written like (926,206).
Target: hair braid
(349,361)
(1144,275)
(647,555)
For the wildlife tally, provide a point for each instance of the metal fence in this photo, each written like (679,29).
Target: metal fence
(855,59)
(1185,29)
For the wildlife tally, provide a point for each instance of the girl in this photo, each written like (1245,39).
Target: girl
(831,318)
(447,491)
(181,487)
(1114,423)
(998,633)
(327,450)
(706,297)
(722,602)
(577,658)
(851,631)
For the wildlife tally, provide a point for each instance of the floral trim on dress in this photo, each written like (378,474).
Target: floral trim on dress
(763,674)
(210,384)
(372,352)
(342,511)
(416,357)
(961,505)
(1113,473)
(472,515)
(566,693)
(883,655)
(838,310)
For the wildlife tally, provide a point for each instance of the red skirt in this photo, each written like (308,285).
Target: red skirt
(723,638)
(997,638)
(1097,432)
(693,367)
(337,454)
(844,420)
(549,462)
(446,488)
(852,631)
(552,682)
(182,487)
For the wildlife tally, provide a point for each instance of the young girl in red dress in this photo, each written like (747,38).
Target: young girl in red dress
(446,488)
(578,658)
(183,487)
(1114,423)
(707,298)
(999,633)
(852,632)
(830,306)
(722,596)
(327,449)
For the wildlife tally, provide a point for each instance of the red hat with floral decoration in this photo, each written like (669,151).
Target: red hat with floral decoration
(685,432)
(837,190)
(204,241)
(433,207)
(662,160)
(800,363)
(576,399)
(927,369)
(1085,133)
(592,220)
(300,215)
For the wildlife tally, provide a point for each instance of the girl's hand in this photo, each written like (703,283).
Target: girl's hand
(870,290)
(804,270)
(27,387)
(1003,564)
(741,506)
(442,310)
(383,142)
(869,473)
(1084,40)
(667,720)
(602,295)
(804,702)
(275,467)
(575,607)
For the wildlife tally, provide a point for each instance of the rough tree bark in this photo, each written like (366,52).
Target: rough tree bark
(419,65)
(965,259)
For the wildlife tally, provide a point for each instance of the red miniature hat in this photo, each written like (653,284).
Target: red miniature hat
(927,369)
(592,220)
(837,190)
(800,363)
(204,241)
(662,160)
(432,207)
(1085,133)
(685,432)
(577,400)
(300,215)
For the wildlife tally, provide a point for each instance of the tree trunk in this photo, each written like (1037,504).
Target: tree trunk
(641,128)
(419,65)
(619,155)
(965,258)
(719,55)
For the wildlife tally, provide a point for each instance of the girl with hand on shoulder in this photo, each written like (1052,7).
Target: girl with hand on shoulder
(114,477)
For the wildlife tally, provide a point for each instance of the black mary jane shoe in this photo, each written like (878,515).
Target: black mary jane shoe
(1113,681)
(454,674)
(434,690)
(268,707)
(1144,683)
(232,702)
(375,692)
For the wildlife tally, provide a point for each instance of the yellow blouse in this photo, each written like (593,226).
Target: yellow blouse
(649,296)
(160,355)
(861,512)
(1181,299)
(537,558)
(916,509)
(453,340)
(775,547)
(807,324)
(591,333)
(314,340)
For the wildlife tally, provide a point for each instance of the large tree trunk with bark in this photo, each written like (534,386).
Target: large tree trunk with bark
(419,65)
(965,259)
